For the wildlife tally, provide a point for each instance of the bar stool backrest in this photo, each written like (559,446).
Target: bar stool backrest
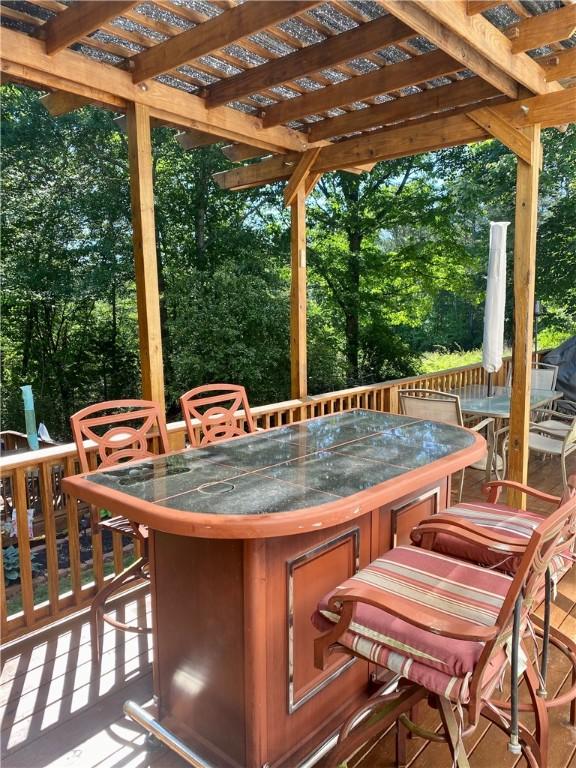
(222,411)
(553,536)
(431,404)
(122,430)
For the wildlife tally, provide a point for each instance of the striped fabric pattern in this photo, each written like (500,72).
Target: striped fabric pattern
(512,522)
(452,588)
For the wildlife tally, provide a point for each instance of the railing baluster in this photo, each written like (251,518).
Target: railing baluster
(73,536)
(24,555)
(382,396)
(3,602)
(46,500)
(118,553)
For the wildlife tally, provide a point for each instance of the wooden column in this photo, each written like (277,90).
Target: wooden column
(524,279)
(298,359)
(144,243)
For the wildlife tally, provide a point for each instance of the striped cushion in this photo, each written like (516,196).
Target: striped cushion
(509,521)
(451,587)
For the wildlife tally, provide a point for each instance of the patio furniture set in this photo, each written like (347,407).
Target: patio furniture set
(346,519)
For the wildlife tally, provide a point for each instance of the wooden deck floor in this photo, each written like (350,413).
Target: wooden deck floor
(57,712)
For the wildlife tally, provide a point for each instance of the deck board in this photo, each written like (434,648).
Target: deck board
(57,712)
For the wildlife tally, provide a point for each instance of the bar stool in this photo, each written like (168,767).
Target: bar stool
(441,625)
(516,525)
(122,430)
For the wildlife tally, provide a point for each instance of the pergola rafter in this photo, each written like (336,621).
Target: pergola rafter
(335,50)
(542,30)
(473,41)
(382,81)
(80,19)
(214,34)
(404,77)
(412,138)
(398,110)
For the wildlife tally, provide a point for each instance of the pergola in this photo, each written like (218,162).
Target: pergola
(306,87)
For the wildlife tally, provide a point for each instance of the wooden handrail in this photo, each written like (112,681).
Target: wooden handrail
(31,481)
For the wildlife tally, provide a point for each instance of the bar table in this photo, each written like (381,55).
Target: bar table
(245,537)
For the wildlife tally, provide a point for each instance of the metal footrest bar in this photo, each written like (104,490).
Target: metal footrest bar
(150,724)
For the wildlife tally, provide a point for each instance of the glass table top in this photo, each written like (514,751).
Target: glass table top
(306,464)
(474,399)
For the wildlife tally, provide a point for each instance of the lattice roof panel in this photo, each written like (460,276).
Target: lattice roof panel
(246,73)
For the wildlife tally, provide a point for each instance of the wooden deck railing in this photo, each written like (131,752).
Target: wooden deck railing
(42,529)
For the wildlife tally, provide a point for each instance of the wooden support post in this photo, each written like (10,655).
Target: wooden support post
(144,243)
(524,279)
(298,360)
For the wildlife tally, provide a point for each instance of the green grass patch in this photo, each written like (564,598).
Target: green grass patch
(440,360)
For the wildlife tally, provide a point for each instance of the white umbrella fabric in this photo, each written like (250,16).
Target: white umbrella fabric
(493,344)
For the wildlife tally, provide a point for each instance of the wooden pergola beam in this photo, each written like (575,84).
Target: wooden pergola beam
(299,175)
(145,261)
(193,139)
(551,27)
(24,58)
(398,142)
(474,41)
(441,131)
(311,180)
(383,80)
(479,6)
(560,65)
(548,110)
(527,177)
(214,34)
(500,129)
(409,139)
(298,308)
(238,152)
(453,42)
(416,105)
(60,103)
(335,50)
(81,18)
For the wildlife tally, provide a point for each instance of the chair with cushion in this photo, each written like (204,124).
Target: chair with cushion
(493,518)
(121,430)
(442,627)
(221,410)
(444,406)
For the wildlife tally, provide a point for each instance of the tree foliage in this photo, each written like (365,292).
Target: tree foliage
(396,263)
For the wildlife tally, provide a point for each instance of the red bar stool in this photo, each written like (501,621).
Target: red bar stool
(122,430)
(516,526)
(442,626)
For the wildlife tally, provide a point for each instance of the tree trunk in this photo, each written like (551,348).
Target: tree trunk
(352,313)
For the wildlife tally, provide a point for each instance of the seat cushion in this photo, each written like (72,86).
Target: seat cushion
(499,518)
(451,587)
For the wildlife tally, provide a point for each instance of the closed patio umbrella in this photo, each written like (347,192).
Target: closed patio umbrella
(493,344)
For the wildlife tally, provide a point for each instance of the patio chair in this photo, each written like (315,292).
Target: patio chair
(122,430)
(493,518)
(444,406)
(547,440)
(222,411)
(543,376)
(442,626)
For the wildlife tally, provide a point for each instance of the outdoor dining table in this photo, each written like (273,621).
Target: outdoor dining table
(245,537)
(474,400)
